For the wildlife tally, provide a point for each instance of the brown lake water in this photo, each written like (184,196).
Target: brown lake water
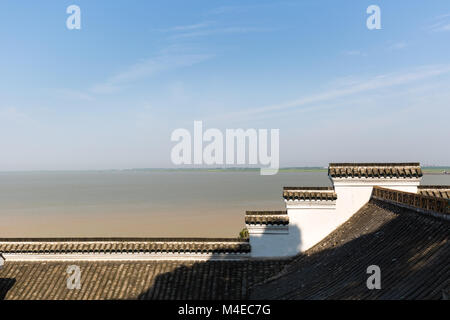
(143,203)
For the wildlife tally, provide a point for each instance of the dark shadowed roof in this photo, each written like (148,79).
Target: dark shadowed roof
(374,170)
(411,249)
(135,279)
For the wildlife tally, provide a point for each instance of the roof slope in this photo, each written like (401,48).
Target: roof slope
(134,279)
(411,249)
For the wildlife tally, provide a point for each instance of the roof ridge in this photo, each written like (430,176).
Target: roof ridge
(310,194)
(120,239)
(433,187)
(423,203)
(267,220)
(308,188)
(268,212)
(373,164)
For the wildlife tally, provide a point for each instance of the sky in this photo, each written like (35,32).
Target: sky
(109,95)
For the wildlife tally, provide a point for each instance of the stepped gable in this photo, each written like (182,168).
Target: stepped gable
(375,170)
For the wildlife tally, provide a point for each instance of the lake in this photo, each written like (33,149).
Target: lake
(143,203)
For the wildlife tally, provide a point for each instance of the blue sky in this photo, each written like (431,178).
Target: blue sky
(109,95)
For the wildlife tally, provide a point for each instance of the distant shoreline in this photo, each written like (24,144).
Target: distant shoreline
(425,170)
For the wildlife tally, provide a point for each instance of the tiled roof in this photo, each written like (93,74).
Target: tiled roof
(266,218)
(416,201)
(309,193)
(411,249)
(266,213)
(374,170)
(435,191)
(119,245)
(156,280)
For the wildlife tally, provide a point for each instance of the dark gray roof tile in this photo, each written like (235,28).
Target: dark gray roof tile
(309,193)
(52,246)
(267,219)
(143,280)
(435,191)
(374,170)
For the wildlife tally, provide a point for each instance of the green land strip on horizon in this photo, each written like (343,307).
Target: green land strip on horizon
(426,170)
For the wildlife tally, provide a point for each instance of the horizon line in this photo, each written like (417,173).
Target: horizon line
(192,169)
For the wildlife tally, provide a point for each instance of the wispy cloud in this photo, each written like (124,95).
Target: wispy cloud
(352,53)
(208,28)
(363,86)
(216,31)
(236,9)
(232,9)
(190,26)
(398,46)
(12,115)
(148,68)
(74,94)
(442,23)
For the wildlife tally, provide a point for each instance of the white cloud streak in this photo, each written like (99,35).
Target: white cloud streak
(442,24)
(208,28)
(14,116)
(397,46)
(375,83)
(148,68)
(190,27)
(225,30)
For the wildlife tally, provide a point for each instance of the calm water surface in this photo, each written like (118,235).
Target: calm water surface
(153,204)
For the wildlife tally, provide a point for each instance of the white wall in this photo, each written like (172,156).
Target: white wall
(270,244)
(313,223)
(353,194)
(309,222)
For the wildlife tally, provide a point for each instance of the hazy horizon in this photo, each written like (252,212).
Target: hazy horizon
(205,168)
